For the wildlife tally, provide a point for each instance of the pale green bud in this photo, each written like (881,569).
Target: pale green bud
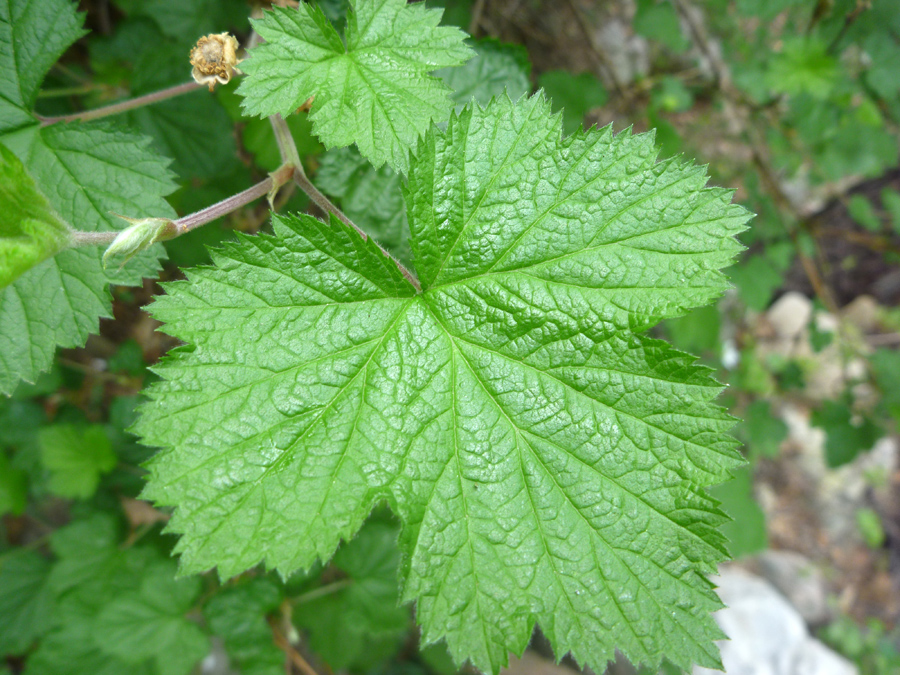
(141,235)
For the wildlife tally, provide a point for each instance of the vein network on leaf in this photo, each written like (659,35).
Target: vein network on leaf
(547,460)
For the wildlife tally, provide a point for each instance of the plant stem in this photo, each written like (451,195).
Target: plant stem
(194,220)
(290,156)
(285,140)
(226,206)
(325,204)
(123,106)
(322,591)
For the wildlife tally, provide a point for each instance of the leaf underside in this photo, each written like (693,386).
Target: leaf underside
(374,91)
(547,460)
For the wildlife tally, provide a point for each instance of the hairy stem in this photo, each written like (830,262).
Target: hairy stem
(123,106)
(290,156)
(325,204)
(194,220)
(286,146)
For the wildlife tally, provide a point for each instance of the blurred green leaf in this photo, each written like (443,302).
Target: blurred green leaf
(26,605)
(747,532)
(862,211)
(361,622)
(495,68)
(870,527)
(149,623)
(761,430)
(697,332)
(756,279)
(845,437)
(237,614)
(803,66)
(76,457)
(890,199)
(886,370)
(13,487)
(671,95)
(658,20)
(574,94)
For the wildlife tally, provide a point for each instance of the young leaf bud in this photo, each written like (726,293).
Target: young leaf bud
(143,233)
(214,59)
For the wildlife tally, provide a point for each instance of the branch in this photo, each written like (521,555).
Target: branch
(123,106)
(194,220)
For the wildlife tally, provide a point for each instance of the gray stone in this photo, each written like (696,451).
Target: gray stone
(800,582)
(768,636)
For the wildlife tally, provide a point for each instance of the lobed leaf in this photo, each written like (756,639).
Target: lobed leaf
(374,90)
(547,461)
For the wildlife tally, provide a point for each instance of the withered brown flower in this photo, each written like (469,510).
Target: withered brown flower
(214,59)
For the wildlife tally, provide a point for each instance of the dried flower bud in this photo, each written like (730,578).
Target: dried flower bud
(214,59)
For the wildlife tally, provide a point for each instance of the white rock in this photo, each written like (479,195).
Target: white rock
(790,314)
(768,636)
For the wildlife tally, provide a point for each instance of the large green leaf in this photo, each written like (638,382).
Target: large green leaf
(547,461)
(374,91)
(32,36)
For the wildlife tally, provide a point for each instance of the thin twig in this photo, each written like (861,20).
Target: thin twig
(123,106)
(284,645)
(194,220)
(322,591)
(598,53)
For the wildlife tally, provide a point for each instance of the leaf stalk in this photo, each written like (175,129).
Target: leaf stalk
(123,106)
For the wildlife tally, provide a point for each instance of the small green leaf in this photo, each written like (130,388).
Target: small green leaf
(362,623)
(237,614)
(495,68)
(76,457)
(30,230)
(845,436)
(575,95)
(548,461)
(26,603)
(870,527)
(33,35)
(149,623)
(803,66)
(890,199)
(862,211)
(374,91)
